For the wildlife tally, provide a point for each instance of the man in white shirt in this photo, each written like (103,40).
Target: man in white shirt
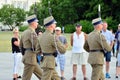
(79,55)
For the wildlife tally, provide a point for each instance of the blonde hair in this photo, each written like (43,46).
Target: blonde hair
(15,30)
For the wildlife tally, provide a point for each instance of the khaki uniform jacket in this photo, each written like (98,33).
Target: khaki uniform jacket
(96,41)
(46,44)
(29,38)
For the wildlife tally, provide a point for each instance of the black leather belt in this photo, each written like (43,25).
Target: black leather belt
(47,54)
(96,51)
(30,49)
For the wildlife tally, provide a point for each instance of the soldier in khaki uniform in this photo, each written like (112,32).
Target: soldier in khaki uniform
(96,44)
(28,42)
(48,44)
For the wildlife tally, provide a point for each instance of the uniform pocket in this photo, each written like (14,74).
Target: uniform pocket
(30,58)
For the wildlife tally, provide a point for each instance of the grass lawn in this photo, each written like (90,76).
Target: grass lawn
(5,41)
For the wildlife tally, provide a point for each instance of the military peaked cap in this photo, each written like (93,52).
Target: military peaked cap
(49,20)
(32,18)
(97,21)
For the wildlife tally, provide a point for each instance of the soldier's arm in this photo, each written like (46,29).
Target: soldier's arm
(61,47)
(85,36)
(65,41)
(106,46)
(71,40)
(56,43)
(21,46)
(86,46)
(21,43)
(38,48)
(111,44)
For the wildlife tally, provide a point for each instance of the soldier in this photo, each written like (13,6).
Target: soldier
(28,42)
(48,44)
(96,44)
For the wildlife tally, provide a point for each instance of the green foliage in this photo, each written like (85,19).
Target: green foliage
(40,10)
(22,28)
(87,26)
(67,12)
(69,28)
(20,16)
(112,24)
(6,15)
(62,10)
(11,16)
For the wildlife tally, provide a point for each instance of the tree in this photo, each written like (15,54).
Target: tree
(63,11)
(40,11)
(67,12)
(20,16)
(12,16)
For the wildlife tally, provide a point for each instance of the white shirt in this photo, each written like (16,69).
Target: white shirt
(78,43)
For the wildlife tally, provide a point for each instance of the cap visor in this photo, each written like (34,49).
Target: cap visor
(55,22)
(36,20)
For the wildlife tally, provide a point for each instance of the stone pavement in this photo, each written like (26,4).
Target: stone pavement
(6,64)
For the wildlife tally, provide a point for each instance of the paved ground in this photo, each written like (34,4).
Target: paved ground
(6,64)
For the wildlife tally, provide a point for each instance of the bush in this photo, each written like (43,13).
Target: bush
(69,28)
(112,24)
(87,26)
(22,28)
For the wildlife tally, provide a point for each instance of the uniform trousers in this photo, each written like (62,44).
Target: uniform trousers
(50,74)
(97,72)
(29,69)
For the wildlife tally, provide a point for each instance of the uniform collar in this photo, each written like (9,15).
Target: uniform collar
(32,29)
(48,31)
(97,30)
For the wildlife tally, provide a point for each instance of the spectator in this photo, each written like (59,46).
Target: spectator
(61,57)
(79,55)
(117,36)
(113,48)
(110,40)
(17,56)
